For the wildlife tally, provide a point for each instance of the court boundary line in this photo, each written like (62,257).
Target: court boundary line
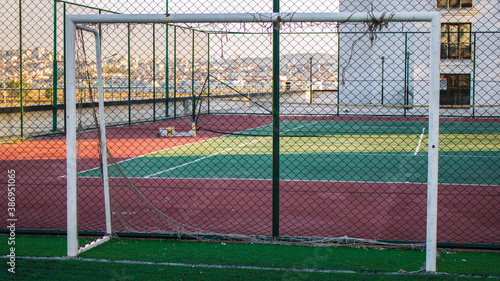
(201,158)
(406,154)
(421,272)
(356,153)
(419,142)
(144,155)
(227,149)
(323,181)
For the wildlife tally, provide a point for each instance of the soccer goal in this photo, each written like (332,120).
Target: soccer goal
(263,100)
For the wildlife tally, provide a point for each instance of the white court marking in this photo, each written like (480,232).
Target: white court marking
(420,141)
(219,152)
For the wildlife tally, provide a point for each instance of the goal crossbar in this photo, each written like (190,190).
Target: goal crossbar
(254,17)
(435,32)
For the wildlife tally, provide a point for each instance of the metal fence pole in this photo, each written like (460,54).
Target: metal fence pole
(175,72)
(54,73)
(338,72)
(129,78)
(64,61)
(208,74)
(21,69)
(382,94)
(193,102)
(310,80)
(276,123)
(166,66)
(474,77)
(405,92)
(154,74)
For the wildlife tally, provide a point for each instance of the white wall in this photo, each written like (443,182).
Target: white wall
(363,75)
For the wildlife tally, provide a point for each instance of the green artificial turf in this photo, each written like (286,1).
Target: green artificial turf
(87,270)
(369,263)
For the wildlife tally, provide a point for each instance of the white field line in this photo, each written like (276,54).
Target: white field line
(219,152)
(184,144)
(328,181)
(203,158)
(420,141)
(283,269)
(342,181)
(144,155)
(350,153)
(291,153)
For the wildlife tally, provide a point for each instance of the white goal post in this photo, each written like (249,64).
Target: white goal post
(73,22)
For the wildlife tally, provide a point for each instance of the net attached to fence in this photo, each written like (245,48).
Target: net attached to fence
(352,154)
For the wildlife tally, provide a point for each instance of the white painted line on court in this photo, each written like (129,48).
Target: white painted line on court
(203,158)
(420,141)
(220,152)
(161,150)
(144,155)
(465,185)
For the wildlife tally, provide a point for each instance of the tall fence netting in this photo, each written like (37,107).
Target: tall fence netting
(353,124)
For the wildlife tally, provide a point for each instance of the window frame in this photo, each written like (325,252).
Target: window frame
(460,5)
(455,93)
(452,46)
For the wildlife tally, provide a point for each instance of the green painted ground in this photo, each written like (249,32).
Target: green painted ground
(325,128)
(384,152)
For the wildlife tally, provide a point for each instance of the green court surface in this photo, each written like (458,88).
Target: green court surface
(366,151)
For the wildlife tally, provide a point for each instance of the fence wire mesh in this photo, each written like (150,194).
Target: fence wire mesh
(352,133)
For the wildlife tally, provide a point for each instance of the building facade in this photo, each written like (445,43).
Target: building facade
(393,68)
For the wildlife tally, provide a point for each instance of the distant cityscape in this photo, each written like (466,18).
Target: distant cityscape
(244,73)
(37,66)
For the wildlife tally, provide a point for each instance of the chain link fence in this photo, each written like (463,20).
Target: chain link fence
(353,119)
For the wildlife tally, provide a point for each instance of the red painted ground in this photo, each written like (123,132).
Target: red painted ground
(384,211)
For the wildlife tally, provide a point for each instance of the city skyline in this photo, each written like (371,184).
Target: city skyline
(38,67)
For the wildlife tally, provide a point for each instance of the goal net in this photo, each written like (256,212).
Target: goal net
(255,127)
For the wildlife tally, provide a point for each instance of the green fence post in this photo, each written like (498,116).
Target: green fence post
(129,81)
(166,75)
(208,74)
(154,74)
(21,101)
(166,66)
(54,73)
(192,80)
(382,94)
(276,124)
(405,92)
(175,72)
(474,78)
(64,62)
(310,80)
(338,72)
(193,105)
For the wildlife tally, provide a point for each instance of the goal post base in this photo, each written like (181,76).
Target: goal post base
(93,244)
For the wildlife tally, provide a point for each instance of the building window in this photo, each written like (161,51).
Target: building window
(456,41)
(454,89)
(454,4)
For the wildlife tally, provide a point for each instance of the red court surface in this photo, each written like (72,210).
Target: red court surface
(382,211)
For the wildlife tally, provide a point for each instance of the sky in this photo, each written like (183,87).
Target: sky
(38,22)
(217,6)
